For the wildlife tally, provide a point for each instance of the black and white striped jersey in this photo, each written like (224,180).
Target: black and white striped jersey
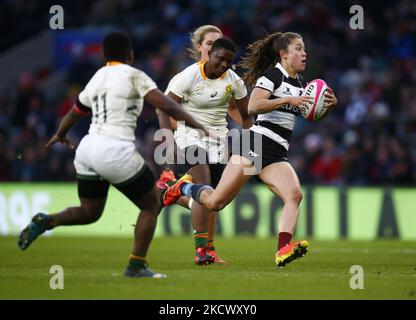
(279,123)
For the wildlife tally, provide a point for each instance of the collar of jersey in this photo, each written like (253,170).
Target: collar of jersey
(112,63)
(280,67)
(201,69)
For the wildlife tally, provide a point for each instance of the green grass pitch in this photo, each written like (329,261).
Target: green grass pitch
(93,269)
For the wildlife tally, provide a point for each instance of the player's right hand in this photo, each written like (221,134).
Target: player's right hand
(300,101)
(56,139)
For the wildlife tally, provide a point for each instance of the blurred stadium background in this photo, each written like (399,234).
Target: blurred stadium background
(357,166)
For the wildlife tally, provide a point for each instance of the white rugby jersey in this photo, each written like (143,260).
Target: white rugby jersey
(207,99)
(278,124)
(115,96)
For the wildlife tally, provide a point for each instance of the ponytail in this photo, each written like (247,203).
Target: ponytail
(264,54)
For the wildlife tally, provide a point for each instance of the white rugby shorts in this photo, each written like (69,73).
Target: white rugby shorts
(215,147)
(113,159)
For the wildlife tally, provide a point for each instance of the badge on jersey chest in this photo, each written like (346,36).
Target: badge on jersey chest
(228,89)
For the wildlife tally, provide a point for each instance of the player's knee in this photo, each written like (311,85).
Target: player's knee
(216,205)
(150,212)
(152,207)
(156,207)
(93,214)
(296,195)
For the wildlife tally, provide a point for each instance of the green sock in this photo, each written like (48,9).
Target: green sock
(54,221)
(137,262)
(210,245)
(200,238)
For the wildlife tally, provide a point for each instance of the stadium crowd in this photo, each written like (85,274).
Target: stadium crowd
(370,138)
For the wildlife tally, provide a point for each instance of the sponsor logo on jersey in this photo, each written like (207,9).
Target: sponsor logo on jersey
(287,91)
(214,94)
(289,108)
(252,154)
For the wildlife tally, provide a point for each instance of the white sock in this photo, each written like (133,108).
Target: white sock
(190,202)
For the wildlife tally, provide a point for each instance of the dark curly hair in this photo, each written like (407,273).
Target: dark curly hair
(264,54)
(117,46)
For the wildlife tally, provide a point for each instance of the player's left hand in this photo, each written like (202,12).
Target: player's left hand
(330,99)
(56,139)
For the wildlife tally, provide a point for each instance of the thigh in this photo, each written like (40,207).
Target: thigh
(200,174)
(92,192)
(92,187)
(199,170)
(149,201)
(236,173)
(281,178)
(82,161)
(190,157)
(141,190)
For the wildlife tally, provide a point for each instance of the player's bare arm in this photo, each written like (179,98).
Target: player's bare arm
(66,124)
(242,106)
(260,103)
(172,108)
(164,120)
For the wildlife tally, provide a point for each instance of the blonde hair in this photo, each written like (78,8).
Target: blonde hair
(197,37)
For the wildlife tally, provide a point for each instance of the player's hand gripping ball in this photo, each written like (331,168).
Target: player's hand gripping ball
(316,110)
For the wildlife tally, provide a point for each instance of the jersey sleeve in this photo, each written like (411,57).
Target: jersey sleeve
(84,99)
(171,83)
(143,83)
(240,90)
(181,84)
(270,80)
(83,104)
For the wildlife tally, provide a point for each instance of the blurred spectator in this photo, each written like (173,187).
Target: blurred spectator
(326,166)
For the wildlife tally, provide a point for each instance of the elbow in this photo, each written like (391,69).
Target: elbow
(251,111)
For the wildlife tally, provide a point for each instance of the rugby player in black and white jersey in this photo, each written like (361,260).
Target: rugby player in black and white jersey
(273,64)
(107,154)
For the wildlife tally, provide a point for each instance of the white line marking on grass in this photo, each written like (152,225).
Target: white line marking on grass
(365,250)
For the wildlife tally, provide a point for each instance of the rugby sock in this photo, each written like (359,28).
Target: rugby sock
(137,262)
(51,221)
(193,190)
(197,189)
(200,238)
(190,202)
(210,245)
(54,221)
(284,239)
(186,189)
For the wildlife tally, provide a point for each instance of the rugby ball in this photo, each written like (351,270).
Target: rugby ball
(316,110)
